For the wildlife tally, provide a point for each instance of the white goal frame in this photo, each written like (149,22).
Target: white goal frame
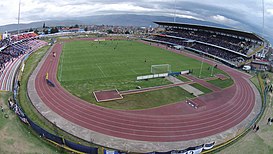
(166,68)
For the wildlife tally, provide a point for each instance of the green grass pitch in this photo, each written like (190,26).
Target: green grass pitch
(87,66)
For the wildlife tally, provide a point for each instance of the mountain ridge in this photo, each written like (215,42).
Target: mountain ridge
(117,20)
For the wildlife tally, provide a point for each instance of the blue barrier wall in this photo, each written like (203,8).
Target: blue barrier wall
(81,148)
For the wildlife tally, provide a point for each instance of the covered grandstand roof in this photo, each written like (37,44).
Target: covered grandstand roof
(216,29)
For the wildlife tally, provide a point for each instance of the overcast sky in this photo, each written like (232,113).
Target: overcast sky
(242,14)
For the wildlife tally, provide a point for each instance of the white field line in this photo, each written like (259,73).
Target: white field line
(101,70)
(133,71)
(61,66)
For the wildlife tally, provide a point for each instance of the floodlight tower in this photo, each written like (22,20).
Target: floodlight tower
(19,12)
(263,27)
(174,14)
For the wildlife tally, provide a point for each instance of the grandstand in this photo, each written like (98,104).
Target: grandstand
(229,46)
(13,49)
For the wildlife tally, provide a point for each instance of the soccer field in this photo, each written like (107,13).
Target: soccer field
(87,66)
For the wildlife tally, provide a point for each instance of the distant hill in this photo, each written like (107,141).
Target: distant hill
(39,24)
(122,20)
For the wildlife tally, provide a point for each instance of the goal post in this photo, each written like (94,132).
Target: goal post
(162,68)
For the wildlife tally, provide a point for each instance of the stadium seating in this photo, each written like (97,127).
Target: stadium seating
(232,43)
(226,45)
(10,59)
(4,43)
(200,47)
(24,36)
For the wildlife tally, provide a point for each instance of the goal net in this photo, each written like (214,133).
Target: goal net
(162,68)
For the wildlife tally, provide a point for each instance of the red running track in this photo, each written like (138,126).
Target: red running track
(176,122)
